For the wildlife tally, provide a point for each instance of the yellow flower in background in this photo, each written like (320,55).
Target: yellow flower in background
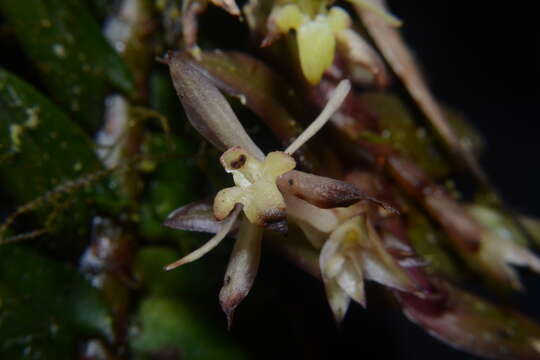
(316,37)
(317,33)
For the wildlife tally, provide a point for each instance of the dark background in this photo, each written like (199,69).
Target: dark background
(482,59)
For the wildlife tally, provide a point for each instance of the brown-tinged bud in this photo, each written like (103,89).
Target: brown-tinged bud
(320,191)
(242,268)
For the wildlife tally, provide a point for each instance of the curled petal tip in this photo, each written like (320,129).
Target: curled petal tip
(384,205)
(228,308)
(230,297)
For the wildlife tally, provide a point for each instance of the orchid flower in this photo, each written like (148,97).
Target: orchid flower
(255,195)
(319,31)
(351,252)
(502,246)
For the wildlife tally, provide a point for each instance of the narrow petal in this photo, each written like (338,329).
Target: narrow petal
(228,224)
(242,268)
(197,216)
(206,108)
(337,98)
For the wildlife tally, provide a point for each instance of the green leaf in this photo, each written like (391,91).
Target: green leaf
(74,60)
(173,184)
(45,306)
(41,148)
(170,325)
(163,99)
(39,145)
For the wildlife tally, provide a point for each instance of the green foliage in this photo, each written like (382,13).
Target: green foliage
(47,147)
(73,59)
(173,182)
(45,306)
(41,148)
(167,324)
